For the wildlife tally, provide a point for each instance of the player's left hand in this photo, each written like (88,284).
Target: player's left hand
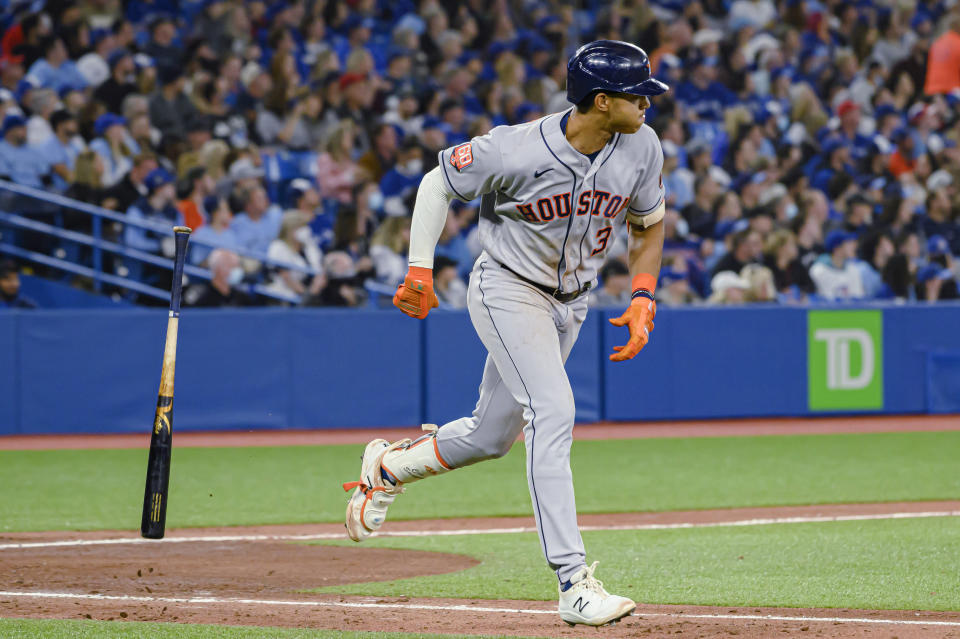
(639,319)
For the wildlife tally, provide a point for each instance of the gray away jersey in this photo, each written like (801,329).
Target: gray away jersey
(547,212)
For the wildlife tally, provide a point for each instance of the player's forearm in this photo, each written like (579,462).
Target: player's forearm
(645,250)
(429,218)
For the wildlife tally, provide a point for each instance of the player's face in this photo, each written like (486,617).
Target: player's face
(627,112)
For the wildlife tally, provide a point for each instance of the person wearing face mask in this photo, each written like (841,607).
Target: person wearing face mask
(224,287)
(295,245)
(401,181)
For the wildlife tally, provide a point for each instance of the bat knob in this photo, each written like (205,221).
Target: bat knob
(182,229)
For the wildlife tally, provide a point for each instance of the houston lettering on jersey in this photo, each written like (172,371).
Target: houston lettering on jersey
(594,202)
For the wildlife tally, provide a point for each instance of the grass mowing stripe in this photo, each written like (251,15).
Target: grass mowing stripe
(70,629)
(893,564)
(243,486)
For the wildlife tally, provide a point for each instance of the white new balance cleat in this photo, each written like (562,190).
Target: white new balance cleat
(585,601)
(368,505)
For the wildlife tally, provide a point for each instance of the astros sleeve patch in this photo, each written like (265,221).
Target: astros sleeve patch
(461,157)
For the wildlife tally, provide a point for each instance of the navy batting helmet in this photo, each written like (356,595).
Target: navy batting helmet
(610,65)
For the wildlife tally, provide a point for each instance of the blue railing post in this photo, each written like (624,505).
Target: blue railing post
(97,253)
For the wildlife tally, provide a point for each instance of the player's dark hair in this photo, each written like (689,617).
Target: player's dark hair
(586,103)
(7,268)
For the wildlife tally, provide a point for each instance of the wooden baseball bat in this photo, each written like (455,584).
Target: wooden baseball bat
(154,519)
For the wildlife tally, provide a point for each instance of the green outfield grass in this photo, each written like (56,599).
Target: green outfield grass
(96,489)
(882,564)
(53,629)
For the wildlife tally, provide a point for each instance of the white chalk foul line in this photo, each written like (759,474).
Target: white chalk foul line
(475,531)
(450,608)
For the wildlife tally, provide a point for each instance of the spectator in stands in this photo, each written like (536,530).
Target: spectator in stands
(306,199)
(382,154)
(399,184)
(223,289)
(61,150)
(158,207)
(294,246)
(876,249)
(943,62)
(132,187)
(119,85)
(745,246)
(450,288)
(344,282)
(931,280)
(938,254)
(336,170)
(197,187)
(678,181)
(218,232)
(259,223)
(452,243)
(941,220)
(615,286)
(760,279)
(357,98)
(86,180)
(93,64)
(782,257)
(19,162)
(674,288)
(170,108)
(728,288)
(42,104)
(698,213)
(835,273)
(113,147)
(11,71)
(10,295)
(162,48)
(55,70)
(388,249)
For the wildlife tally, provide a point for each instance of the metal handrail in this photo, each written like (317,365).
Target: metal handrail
(150,225)
(112,247)
(70,267)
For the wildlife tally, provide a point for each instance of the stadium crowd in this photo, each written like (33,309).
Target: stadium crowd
(810,147)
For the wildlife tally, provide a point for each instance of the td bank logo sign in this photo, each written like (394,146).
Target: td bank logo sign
(845,360)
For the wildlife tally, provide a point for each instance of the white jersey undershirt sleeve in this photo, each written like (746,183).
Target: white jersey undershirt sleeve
(429,218)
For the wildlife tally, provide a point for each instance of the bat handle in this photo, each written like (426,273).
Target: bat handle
(180,235)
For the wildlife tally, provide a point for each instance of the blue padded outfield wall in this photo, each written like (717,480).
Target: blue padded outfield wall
(97,370)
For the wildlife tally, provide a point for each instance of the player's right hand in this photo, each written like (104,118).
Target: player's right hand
(639,319)
(415,296)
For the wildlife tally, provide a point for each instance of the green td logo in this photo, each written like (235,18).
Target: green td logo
(845,360)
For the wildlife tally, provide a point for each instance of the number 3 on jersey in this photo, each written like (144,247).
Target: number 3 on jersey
(602,236)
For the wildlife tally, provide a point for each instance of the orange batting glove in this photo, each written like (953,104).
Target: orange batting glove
(638,318)
(415,296)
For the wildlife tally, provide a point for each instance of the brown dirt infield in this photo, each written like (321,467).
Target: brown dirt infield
(255,582)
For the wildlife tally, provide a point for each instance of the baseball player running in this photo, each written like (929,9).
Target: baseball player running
(554,192)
